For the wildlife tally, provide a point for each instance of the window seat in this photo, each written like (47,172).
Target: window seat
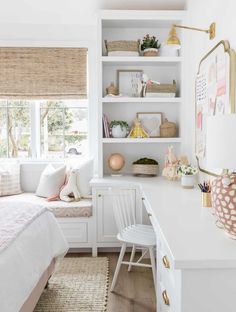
(60,209)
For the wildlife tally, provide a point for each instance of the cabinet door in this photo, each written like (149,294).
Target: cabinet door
(106,225)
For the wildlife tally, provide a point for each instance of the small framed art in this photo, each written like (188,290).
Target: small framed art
(151,122)
(130,82)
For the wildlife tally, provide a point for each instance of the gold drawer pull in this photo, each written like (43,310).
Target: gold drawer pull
(166,262)
(149,214)
(99,195)
(143,198)
(165,298)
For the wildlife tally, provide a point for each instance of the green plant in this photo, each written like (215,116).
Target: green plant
(145,161)
(149,42)
(121,123)
(187,170)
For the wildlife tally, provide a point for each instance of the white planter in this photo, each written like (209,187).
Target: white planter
(188,181)
(169,50)
(118,132)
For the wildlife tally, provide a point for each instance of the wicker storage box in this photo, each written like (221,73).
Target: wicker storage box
(168,129)
(149,170)
(156,89)
(122,46)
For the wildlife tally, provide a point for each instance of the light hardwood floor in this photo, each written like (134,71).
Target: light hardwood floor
(134,291)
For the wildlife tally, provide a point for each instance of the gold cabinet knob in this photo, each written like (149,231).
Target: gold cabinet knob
(143,198)
(165,298)
(99,195)
(166,262)
(149,214)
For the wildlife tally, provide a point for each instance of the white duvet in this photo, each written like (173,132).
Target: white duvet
(26,258)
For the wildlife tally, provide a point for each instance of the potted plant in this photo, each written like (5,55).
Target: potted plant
(119,128)
(150,46)
(145,166)
(187,173)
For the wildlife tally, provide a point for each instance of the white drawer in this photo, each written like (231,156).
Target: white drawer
(166,302)
(75,232)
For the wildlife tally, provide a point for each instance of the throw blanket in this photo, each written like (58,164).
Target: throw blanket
(14,218)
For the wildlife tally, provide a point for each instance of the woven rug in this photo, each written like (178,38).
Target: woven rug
(79,285)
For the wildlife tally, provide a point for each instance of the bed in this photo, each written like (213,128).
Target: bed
(31,243)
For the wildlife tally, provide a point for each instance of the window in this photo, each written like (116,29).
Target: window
(43,129)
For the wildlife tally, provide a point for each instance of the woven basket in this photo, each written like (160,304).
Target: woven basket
(112,89)
(150,52)
(161,88)
(122,45)
(149,170)
(168,129)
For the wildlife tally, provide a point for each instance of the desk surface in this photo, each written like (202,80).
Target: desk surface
(189,230)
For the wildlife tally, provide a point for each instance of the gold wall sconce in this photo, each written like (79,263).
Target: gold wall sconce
(173,38)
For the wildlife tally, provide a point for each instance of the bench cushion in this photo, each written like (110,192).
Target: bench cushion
(60,209)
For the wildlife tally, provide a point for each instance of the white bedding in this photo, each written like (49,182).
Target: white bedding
(25,260)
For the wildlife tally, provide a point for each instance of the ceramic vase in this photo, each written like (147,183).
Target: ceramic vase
(224,203)
(118,132)
(187,181)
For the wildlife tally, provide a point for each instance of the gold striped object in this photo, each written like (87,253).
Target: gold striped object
(32,73)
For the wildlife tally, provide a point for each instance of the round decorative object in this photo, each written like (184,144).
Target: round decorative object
(150,52)
(118,131)
(116,162)
(224,203)
(187,181)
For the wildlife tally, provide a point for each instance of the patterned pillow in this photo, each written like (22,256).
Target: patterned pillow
(10,179)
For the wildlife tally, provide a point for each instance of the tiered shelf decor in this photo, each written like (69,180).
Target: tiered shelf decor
(133,25)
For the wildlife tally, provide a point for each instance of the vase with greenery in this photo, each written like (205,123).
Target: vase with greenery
(150,45)
(187,173)
(119,128)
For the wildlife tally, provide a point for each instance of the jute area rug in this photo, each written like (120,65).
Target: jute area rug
(79,285)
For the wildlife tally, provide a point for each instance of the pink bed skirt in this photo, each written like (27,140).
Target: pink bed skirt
(31,302)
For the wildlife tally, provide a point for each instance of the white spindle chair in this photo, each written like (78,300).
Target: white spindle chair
(130,233)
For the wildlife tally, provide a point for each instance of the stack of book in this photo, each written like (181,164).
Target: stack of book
(106,129)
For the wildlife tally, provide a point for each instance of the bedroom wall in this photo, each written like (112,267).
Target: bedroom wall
(201,14)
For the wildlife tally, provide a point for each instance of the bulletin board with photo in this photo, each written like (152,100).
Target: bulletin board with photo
(214,91)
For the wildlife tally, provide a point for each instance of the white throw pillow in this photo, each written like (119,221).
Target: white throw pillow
(51,181)
(9,179)
(85,174)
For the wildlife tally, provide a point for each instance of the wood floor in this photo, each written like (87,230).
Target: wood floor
(134,291)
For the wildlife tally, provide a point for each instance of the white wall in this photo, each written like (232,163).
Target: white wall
(201,13)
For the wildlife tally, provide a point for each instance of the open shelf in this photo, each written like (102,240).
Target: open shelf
(141,100)
(141,60)
(148,140)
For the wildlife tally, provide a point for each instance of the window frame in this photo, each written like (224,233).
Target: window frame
(35,128)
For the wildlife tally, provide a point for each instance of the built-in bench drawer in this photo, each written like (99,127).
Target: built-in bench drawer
(74,231)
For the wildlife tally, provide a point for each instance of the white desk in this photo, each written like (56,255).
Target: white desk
(202,259)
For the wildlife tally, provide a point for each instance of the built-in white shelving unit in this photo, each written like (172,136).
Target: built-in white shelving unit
(134,25)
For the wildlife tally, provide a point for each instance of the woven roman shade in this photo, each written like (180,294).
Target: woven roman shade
(31,73)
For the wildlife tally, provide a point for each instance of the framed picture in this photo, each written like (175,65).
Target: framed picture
(151,123)
(129,82)
(214,91)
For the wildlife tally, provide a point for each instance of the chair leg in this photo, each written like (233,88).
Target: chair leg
(117,270)
(153,263)
(131,258)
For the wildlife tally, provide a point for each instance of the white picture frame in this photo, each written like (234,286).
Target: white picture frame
(129,82)
(151,122)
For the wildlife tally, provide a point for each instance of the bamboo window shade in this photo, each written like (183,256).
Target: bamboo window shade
(33,73)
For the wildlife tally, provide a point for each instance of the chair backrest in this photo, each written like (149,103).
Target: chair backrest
(123,202)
